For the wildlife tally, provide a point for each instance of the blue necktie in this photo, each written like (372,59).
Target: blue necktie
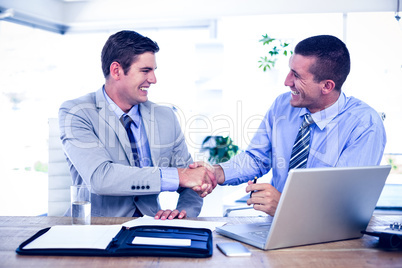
(126,121)
(301,147)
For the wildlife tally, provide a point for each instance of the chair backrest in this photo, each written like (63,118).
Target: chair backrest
(59,178)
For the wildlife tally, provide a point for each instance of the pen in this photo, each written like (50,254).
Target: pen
(255,181)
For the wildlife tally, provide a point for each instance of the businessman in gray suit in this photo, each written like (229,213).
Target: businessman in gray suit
(126,147)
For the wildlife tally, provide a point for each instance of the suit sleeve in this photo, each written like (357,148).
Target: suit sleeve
(181,158)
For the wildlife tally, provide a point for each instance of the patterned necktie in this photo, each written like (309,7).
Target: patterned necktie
(301,146)
(126,121)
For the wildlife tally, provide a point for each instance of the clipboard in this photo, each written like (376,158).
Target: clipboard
(164,241)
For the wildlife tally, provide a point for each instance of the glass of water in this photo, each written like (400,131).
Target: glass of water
(81,204)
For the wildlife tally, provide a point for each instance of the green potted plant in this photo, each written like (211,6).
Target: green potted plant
(220,148)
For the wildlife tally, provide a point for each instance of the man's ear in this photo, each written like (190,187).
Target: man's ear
(328,86)
(115,70)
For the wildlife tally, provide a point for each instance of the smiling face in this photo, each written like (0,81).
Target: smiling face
(132,88)
(305,91)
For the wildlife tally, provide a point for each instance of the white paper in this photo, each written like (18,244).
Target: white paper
(140,240)
(76,236)
(146,220)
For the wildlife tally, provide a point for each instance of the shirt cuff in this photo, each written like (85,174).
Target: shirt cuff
(230,170)
(236,171)
(169,179)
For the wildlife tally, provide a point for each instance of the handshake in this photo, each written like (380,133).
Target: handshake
(201,177)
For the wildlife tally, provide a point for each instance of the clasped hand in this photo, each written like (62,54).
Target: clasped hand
(203,178)
(200,177)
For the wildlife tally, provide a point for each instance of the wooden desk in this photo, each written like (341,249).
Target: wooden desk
(350,253)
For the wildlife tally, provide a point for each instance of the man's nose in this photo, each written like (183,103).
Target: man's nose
(152,78)
(289,80)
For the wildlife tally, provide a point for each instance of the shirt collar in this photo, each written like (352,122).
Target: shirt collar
(134,112)
(322,118)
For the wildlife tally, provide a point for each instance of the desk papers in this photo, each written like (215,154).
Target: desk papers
(76,236)
(146,220)
(99,236)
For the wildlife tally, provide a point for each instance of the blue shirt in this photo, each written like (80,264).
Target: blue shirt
(169,176)
(348,133)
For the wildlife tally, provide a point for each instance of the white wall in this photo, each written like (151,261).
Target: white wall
(89,15)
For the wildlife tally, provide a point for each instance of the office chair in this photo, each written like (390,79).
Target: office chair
(59,178)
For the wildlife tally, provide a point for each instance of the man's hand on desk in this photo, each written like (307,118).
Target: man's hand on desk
(200,178)
(266,197)
(170,215)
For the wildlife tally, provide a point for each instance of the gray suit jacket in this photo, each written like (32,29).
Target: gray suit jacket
(99,153)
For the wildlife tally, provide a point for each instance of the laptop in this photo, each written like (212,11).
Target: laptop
(317,205)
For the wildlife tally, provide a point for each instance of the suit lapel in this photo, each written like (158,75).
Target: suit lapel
(108,120)
(151,129)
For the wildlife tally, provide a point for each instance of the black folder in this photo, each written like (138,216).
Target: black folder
(122,244)
(389,238)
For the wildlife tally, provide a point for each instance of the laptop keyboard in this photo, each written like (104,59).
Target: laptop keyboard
(260,234)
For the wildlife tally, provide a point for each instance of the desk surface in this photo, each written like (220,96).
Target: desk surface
(351,253)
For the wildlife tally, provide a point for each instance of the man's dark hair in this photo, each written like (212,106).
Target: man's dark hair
(124,47)
(332,58)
